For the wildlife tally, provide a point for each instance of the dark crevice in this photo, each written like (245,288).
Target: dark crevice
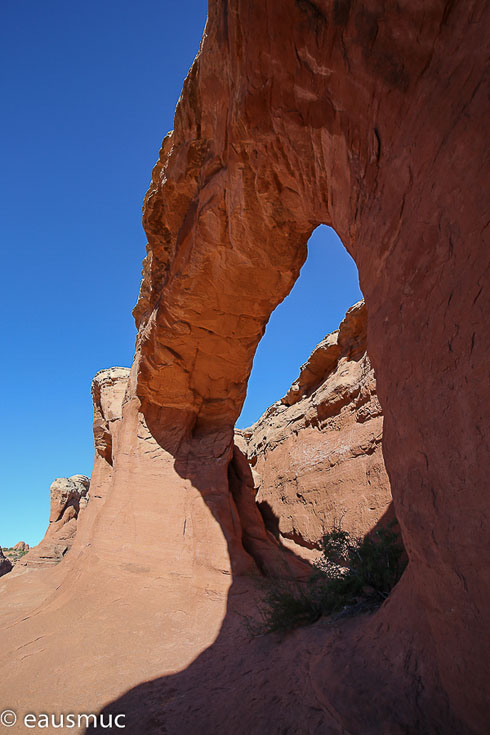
(260,533)
(271,521)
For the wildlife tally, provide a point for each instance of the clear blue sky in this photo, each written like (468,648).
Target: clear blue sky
(88,91)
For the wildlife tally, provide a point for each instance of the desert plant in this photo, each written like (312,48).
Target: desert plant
(353,574)
(286,604)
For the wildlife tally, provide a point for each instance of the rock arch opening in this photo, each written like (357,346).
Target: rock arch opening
(373,122)
(316,448)
(326,288)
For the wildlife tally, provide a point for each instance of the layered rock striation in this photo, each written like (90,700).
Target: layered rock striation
(316,454)
(370,118)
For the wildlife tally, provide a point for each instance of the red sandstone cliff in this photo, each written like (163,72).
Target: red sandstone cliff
(370,118)
(316,454)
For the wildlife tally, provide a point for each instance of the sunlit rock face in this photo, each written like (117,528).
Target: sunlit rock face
(68,498)
(370,118)
(21,546)
(316,454)
(108,391)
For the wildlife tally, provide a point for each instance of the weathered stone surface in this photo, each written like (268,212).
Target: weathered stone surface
(108,390)
(370,118)
(68,496)
(21,546)
(5,564)
(316,454)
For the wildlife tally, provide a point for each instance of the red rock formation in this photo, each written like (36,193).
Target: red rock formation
(316,454)
(5,564)
(370,118)
(21,546)
(69,496)
(108,390)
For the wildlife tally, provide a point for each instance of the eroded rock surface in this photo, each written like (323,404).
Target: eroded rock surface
(68,497)
(316,454)
(371,118)
(108,391)
(21,546)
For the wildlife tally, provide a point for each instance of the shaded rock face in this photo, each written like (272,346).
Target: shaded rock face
(370,118)
(316,454)
(15,553)
(69,496)
(5,564)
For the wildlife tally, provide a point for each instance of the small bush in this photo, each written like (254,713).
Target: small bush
(353,575)
(286,604)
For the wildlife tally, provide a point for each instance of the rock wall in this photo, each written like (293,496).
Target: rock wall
(370,118)
(108,391)
(316,454)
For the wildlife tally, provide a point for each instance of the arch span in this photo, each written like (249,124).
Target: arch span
(328,285)
(371,118)
(319,132)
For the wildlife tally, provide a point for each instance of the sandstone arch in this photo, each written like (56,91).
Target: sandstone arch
(301,113)
(328,285)
(370,119)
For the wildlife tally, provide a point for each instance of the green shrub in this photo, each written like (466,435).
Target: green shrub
(353,575)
